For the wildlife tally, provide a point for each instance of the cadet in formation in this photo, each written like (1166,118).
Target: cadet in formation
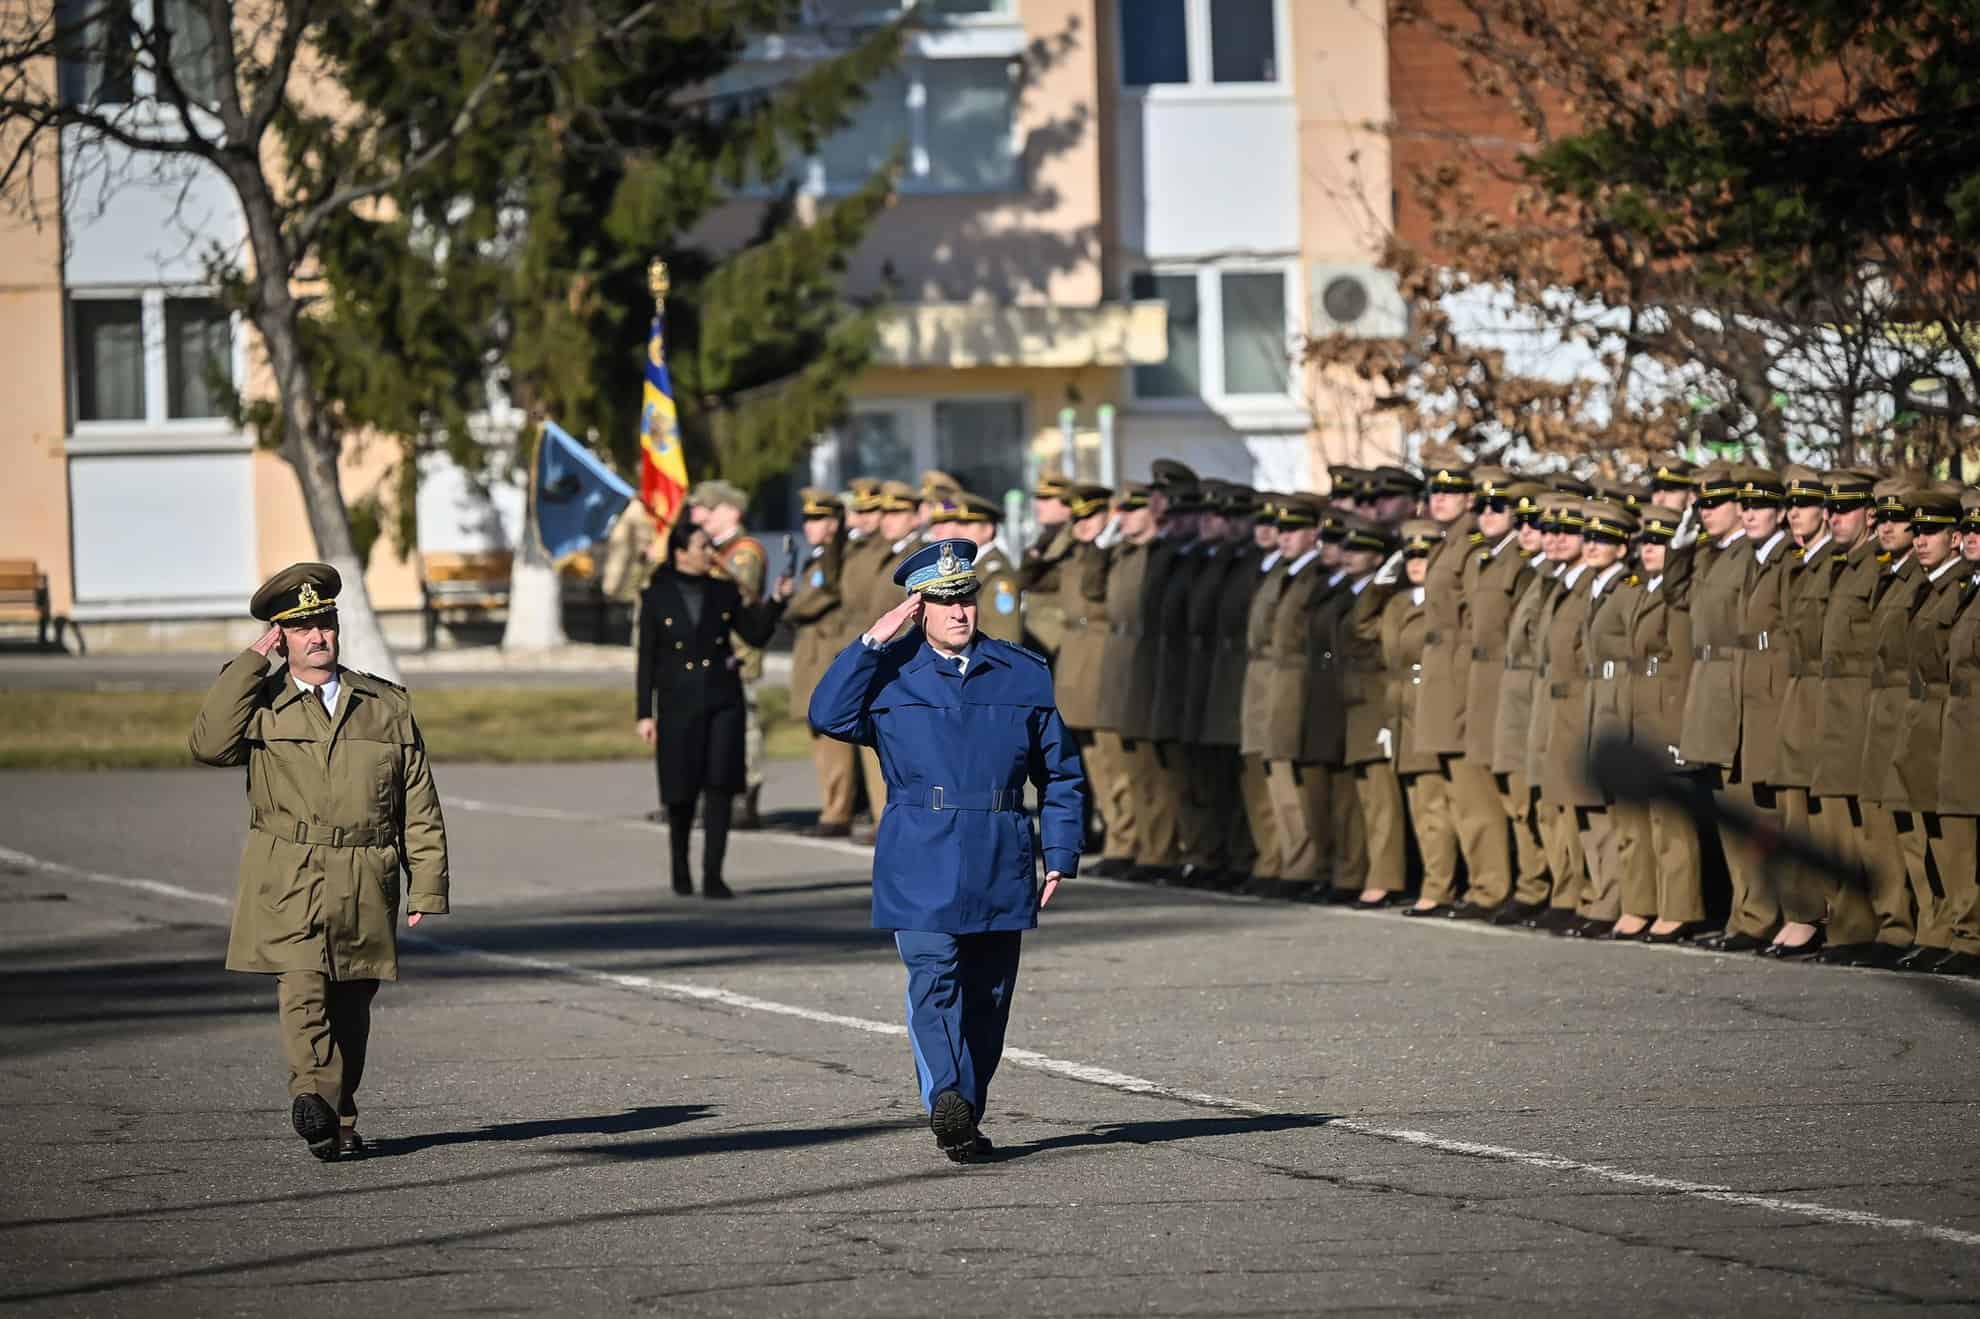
(961,723)
(343,824)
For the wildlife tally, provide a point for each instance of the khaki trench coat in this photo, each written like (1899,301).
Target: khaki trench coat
(1256,716)
(1322,739)
(1763,664)
(338,809)
(1890,683)
(1515,713)
(1491,587)
(1440,697)
(1660,656)
(1810,578)
(824,626)
(1365,689)
(1611,670)
(1959,786)
(1127,592)
(1402,625)
(1040,577)
(1561,700)
(1843,703)
(1080,673)
(1928,644)
(1711,707)
(1292,669)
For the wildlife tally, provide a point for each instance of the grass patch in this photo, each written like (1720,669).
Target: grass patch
(148,729)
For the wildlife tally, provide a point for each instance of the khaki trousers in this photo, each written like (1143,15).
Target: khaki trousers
(1606,854)
(1938,853)
(1755,909)
(1480,821)
(1107,766)
(1379,793)
(1155,828)
(1562,842)
(1889,883)
(1350,834)
(1431,818)
(1296,792)
(1532,882)
(1183,840)
(1262,821)
(1680,891)
(326,1027)
(1638,889)
(1803,896)
(1955,845)
(837,765)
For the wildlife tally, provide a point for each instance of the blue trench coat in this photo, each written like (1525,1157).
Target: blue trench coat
(954,853)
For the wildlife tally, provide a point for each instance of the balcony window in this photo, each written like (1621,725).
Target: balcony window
(195,63)
(1199,43)
(199,347)
(151,359)
(1243,44)
(981,442)
(1229,335)
(94,55)
(1255,343)
(953,116)
(875,444)
(968,138)
(1181,374)
(109,359)
(1154,42)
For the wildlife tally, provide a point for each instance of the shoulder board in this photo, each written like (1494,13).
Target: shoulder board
(1883,556)
(1477,538)
(386,683)
(1800,553)
(1632,580)
(1013,649)
(745,548)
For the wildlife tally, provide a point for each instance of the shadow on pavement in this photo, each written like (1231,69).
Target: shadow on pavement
(1159,1133)
(739,1142)
(604,1124)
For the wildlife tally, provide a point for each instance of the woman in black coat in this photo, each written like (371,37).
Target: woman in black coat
(690,698)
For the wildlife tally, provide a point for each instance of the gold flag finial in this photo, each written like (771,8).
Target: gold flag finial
(656,279)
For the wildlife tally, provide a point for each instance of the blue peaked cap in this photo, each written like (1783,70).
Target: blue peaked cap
(945,570)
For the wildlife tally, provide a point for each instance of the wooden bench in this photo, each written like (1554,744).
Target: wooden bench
(462,586)
(24,597)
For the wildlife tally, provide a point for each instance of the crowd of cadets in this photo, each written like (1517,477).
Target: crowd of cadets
(1392,690)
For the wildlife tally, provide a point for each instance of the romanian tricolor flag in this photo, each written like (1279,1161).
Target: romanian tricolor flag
(663,478)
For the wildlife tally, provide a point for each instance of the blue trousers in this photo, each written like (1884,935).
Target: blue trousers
(959,990)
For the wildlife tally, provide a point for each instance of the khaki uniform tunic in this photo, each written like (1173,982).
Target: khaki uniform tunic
(1041,578)
(1000,602)
(1080,674)
(1440,697)
(1260,663)
(1763,663)
(1491,586)
(1127,591)
(1523,642)
(1711,708)
(339,809)
(1223,700)
(1810,581)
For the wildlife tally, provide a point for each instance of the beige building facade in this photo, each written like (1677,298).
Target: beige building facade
(1117,219)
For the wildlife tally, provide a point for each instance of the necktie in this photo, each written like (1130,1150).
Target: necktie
(322,699)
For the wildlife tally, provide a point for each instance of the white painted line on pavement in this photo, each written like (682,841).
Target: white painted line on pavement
(838,845)
(1101,1076)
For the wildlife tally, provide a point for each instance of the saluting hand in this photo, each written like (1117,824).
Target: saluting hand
(890,624)
(269,642)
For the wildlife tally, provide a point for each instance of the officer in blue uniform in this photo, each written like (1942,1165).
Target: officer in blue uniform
(960,722)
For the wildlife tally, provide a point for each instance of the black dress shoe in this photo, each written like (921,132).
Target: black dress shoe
(1957,964)
(1920,958)
(1883,956)
(1616,934)
(1142,874)
(1782,952)
(316,1122)
(1382,903)
(1587,927)
(1845,954)
(1740,943)
(715,888)
(1555,920)
(350,1145)
(1259,886)
(1441,909)
(1472,911)
(1514,913)
(954,1124)
(1679,935)
(1293,890)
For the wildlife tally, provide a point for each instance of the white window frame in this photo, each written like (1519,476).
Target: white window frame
(1196,31)
(918,428)
(1210,332)
(157,429)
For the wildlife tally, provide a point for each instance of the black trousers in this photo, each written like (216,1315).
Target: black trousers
(717,806)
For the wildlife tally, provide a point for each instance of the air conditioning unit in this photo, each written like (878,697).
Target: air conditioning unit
(1358,300)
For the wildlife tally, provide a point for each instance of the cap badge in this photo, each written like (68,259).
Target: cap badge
(307,598)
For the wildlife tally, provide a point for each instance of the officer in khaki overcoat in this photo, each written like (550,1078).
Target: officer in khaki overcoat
(342,807)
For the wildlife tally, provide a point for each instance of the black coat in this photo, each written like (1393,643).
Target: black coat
(688,681)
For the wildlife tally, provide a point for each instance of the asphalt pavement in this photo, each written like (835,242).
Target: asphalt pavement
(589,1096)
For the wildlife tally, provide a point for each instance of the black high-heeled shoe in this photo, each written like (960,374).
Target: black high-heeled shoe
(1679,935)
(1781,952)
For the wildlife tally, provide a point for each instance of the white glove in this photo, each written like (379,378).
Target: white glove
(1386,740)
(1110,535)
(1391,570)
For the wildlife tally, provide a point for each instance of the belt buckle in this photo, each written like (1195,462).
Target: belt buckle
(935,800)
(1650,670)
(337,836)
(1762,639)
(1608,669)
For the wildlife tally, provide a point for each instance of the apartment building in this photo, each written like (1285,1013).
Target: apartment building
(1117,218)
